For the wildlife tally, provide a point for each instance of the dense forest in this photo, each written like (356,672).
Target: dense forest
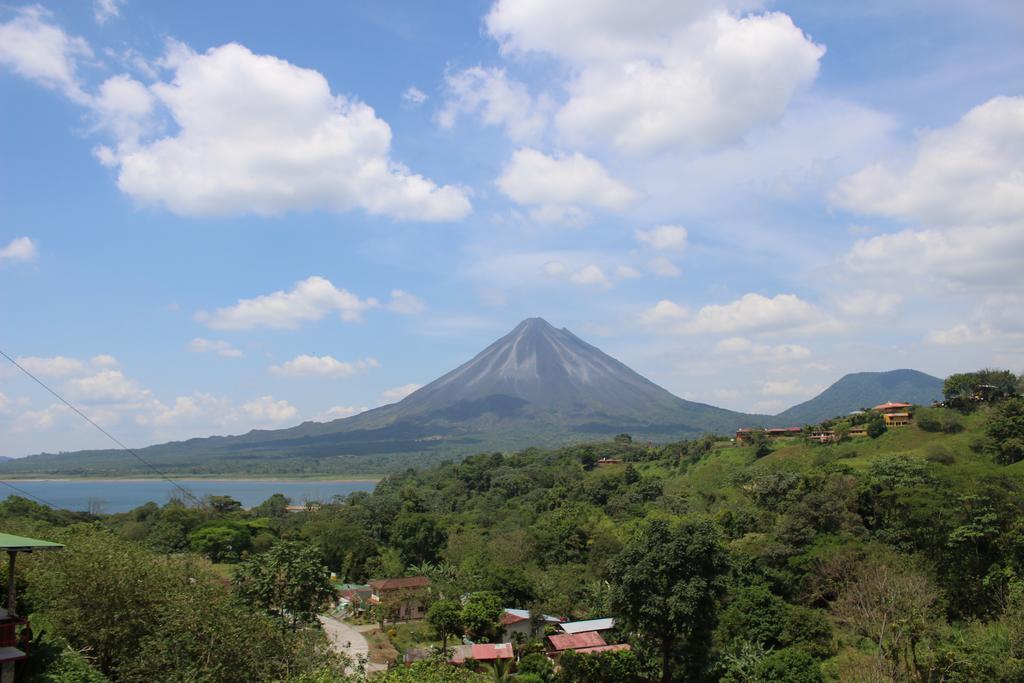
(895,556)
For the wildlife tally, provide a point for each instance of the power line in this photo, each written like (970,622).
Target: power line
(33,496)
(110,436)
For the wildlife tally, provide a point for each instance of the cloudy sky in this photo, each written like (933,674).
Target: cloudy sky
(221,216)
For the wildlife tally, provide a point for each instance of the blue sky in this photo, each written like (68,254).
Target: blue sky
(215,217)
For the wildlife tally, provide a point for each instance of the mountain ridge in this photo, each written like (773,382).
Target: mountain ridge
(536,384)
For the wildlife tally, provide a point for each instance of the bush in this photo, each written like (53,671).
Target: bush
(1005,432)
(939,420)
(940,454)
(789,665)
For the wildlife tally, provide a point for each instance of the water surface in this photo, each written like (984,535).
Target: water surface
(121,495)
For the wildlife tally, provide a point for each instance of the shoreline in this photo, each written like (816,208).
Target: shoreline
(139,480)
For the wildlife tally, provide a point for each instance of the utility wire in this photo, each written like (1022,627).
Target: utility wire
(110,436)
(33,496)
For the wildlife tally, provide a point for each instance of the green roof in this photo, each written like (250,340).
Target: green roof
(12,542)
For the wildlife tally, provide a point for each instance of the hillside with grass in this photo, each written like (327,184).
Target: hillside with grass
(892,557)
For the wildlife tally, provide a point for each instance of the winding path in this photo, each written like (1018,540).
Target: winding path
(348,641)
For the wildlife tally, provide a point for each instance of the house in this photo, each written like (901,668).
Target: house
(574,641)
(515,621)
(746,433)
(573,627)
(894,414)
(822,435)
(609,461)
(482,653)
(858,431)
(354,596)
(404,596)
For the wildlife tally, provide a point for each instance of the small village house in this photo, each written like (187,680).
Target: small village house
(482,653)
(403,597)
(515,621)
(894,414)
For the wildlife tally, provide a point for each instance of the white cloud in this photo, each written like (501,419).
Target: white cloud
(587,275)
(788,387)
(55,366)
(398,393)
(971,254)
(405,303)
(745,350)
(663,267)
(664,237)
(310,299)
(257,134)
(105,10)
(956,336)
(106,386)
(125,108)
(590,275)
(626,272)
(964,187)
(39,51)
(104,360)
(217,346)
(562,183)
(869,303)
(5,403)
(322,366)
(21,249)
(339,412)
(969,173)
(756,312)
(663,73)
(265,410)
(662,312)
(414,97)
(498,101)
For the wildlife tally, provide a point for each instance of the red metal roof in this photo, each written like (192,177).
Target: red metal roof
(507,618)
(404,582)
(605,648)
(482,652)
(890,404)
(576,641)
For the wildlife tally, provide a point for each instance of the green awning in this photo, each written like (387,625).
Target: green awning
(23,544)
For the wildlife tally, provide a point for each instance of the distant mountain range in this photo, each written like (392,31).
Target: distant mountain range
(537,385)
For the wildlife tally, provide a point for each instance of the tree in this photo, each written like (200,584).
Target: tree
(445,617)
(481,615)
(1004,433)
(876,426)
(223,505)
(623,438)
(275,506)
(893,607)
(222,541)
(630,474)
(761,443)
(289,581)
(666,585)
(417,537)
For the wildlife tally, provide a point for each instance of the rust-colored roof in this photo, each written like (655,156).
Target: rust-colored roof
(482,652)
(507,618)
(576,641)
(889,405)
(396,584)
(605,648)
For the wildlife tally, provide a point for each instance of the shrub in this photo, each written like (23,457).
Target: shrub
(939,420)
(940,454)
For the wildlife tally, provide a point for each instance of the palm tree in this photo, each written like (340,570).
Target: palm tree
(501,671)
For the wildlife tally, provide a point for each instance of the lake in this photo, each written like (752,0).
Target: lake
(121,495)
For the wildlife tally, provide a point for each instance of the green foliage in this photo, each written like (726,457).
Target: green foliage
(601,667)
(536,664)
(1005,432)
(480,615)
(939,420)
(789,665)
(445,617)
(964,391)
(666,584)
(276,507)
(876,426)
(429,671)
(288,581)
(144,618)
(221,541)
